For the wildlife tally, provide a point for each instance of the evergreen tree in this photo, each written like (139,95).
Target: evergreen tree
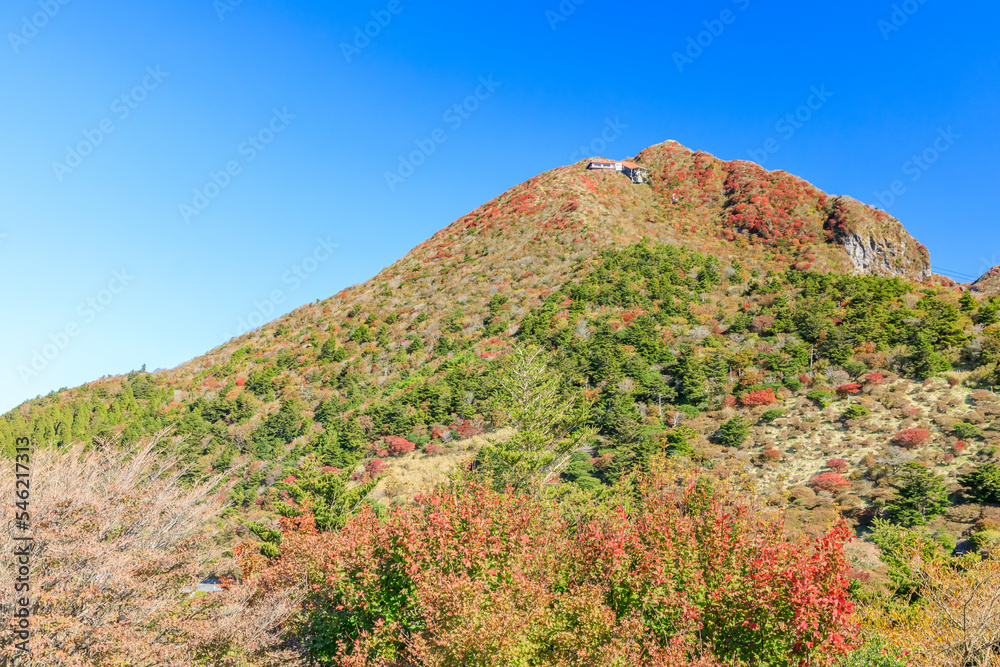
(920,496)
(277,430)
(968,302)
(983,483)
(923,361)
(690,374)
(733,433)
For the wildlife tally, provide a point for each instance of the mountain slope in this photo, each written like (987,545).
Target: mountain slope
(715,264)
(524,243)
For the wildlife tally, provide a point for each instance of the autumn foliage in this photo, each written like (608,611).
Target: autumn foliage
(689,574)
(828,481)
(911,437)
(119,545)
(875,379)
(758,397)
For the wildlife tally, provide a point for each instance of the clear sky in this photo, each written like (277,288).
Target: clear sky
(167,167)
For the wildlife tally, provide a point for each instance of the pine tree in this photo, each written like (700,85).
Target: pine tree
(920,496)
(968,302)
(690,377)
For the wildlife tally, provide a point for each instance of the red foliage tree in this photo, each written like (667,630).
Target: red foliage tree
(837,465)
(828,481)
(758,397)
(911,437)
(849,389)
(469,428)
(398,446)
(875,379)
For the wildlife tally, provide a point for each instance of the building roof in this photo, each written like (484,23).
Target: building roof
(632,165)
(603,162)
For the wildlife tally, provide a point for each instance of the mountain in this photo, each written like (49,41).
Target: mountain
(524,243)
(988,283)
(717,291)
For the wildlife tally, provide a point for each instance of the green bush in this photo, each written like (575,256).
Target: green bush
(967,431)
(856,411)
(820,397)
(772,414)
(986,539)
(855,368)
(875,652)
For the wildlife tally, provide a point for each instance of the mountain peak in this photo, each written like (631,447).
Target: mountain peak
(988,283)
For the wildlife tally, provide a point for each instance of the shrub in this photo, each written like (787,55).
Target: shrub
(875,379)
(758,397)
(469,428)
(434,449)
(471,576)
(828,481)
(986,540)
(985,524)
(967,431)
(849,389)
(819,397)
(856,411)
(838,466)
(876,652)
(398,446)
(911,437)
(771,455)
(375,467)
(855,368)
(772,414)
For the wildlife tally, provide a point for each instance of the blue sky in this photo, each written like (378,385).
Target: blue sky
(167,168)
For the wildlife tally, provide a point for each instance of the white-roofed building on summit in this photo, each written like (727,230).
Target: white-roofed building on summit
(635,171)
